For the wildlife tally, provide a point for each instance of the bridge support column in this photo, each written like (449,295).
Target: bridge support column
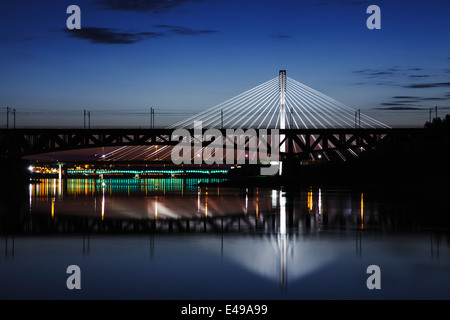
(282,88)
(291,164)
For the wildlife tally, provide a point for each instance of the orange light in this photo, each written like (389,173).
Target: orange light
(310,199)
(53,208)
(362,210)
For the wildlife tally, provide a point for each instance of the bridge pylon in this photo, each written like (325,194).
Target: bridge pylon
(282,88)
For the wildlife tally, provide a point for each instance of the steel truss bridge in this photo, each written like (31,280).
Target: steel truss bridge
(300,142)
(307,125)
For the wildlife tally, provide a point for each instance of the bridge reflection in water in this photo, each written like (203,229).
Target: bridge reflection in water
(279,235)
(181,205)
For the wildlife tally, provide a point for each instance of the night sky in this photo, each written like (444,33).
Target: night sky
(183,56)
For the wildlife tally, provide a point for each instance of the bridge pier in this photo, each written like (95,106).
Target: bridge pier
(290,164)
(282,88)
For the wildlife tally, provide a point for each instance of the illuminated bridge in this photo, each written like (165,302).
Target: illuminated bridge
(287,116)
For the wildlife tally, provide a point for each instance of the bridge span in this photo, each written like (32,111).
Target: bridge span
(299,142)
(289,119)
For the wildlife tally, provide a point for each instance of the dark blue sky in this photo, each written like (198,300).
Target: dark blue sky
(193,54)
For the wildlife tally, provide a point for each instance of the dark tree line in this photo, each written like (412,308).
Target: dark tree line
(439,123)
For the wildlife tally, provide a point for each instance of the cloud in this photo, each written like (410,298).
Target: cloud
(405,102)
(361,71)
(404,77)
(405,97)
(401,108)
(143,5)
(111,36)
(384,83)
(184,30)
(434,99)
(427,85)
(114,36)
(371,73)
(380,73)
(393,71)
(391,104)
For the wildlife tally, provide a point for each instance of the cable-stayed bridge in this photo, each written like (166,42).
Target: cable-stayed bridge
(282,103)
(286,115)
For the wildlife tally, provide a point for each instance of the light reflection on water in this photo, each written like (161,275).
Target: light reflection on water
(178,198)
(137,198)
(314,243)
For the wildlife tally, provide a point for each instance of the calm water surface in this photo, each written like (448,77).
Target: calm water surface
(170,239)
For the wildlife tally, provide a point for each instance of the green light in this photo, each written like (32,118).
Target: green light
(144,171)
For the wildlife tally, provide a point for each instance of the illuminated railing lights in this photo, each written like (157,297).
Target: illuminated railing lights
(144,171)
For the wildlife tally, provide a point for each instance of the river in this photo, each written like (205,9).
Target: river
(171,239)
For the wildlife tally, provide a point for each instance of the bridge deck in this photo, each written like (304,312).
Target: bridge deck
(29,141)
